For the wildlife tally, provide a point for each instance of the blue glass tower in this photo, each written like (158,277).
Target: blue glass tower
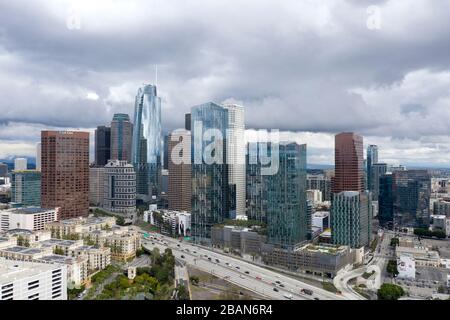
(147,142)
(210,190)
(26,188)
(287,216)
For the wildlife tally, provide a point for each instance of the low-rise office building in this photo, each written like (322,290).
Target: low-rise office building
(320,260)
(29,218)
(423,256)
(244,240)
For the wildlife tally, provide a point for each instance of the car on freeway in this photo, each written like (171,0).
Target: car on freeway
(195,251)
(281,285)
(226,263)
(276,289)
(182,257)
(287,296)
(209,258)
(217,260)
(258,278)
(178,245)
(237,267)
(247,272)
(307,291)
(316,298)
(278,282)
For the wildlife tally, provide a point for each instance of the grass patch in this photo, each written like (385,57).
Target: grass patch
(329,287)
(367,275)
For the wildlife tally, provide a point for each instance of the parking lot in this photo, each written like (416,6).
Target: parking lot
(427,281)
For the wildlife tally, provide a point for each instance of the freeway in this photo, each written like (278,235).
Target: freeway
(264,282)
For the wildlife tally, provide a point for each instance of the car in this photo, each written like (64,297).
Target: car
(247,272)
(241,293)
(307,291)
(226,263)
(237,267)
(195,251)
(287,296)
(209,258)
(258,278)
(281,285)
(217,260)
(178,245)
(241,276)
(182,257)
(276,289)
(278,282)
(316,298)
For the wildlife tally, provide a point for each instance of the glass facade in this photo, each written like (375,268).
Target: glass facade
(256,199)
(102,145)
(372,158)
(121,137)
(386,201)
(412,192)
(351,213)
(26,188)
(210,191)
(287,217)
(147,146)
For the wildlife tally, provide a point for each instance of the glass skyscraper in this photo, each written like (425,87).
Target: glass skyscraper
(372,158)
(102,145)
(412,192)
(351,214)
(256,199)
(386,201)
(121,137)
(210,190)
(147,146)
(26,188)
(287,217)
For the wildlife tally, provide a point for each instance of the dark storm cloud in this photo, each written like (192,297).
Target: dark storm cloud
(295,65)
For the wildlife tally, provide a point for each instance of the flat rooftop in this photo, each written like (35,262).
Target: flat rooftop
(30,210)
(22,250)
(12,270)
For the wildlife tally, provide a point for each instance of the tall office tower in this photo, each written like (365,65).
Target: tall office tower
(166,154)
(119,193)
(349,160)
(65,172)
(20,164)
(372,158)
(102,145)
(121,138)
(351,214)
(26,188)
(96,185)
(236,159)
(210,190)
(147,142)
(180,186)
(386,201)
(38,156)
(3,169)
(287,216)
(412,192)
(256,186)
(187,121)
(320,182)
(377,170)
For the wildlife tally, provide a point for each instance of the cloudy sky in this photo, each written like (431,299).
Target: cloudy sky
(311,68)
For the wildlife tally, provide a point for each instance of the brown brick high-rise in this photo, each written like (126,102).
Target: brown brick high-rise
(349,163)
(65,172)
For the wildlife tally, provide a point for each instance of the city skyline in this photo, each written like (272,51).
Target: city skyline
(399,105)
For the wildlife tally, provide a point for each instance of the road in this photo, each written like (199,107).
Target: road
(244,274)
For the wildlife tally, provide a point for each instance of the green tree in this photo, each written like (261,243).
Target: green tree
(120,221)
(194,280)
(391,268)
(390,291)
(183,293)
(394,242)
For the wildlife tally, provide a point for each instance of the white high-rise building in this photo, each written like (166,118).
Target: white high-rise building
(20,280)
(20,164)
(236,157)
(38,157)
